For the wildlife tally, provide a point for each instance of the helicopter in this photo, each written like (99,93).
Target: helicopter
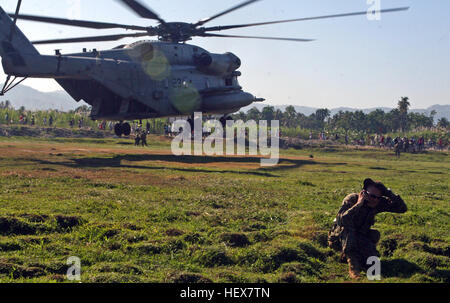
(146,79)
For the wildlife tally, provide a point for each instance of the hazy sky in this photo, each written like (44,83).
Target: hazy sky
(354,62)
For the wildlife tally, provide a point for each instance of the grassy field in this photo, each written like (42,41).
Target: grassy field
(143,215)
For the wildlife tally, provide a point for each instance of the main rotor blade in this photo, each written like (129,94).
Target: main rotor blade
(91,39)
(80,23)
(142,10)
(225,27)
(253,37)
(201,22)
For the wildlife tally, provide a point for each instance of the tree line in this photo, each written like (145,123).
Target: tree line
(375,122)
(293,124)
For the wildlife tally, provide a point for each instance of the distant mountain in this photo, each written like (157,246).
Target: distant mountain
(441,110)
(33,99)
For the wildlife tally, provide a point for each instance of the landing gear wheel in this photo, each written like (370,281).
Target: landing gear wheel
(118,129)
(126,129)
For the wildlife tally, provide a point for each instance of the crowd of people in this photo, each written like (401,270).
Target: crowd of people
(399,144)
(403,144)
(49,121)
(140,132)
(26,120)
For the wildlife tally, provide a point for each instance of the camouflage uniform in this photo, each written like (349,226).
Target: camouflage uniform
(351,233)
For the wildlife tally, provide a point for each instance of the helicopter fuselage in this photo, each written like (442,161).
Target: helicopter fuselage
(146,79)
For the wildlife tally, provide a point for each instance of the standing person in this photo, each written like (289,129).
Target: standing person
(144,139)
(7,118)
(50,121)
(137,139)
(398,147)
(352,234)
(389,142)
(45,121)
(147,127)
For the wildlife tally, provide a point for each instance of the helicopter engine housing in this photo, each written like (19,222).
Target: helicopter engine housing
(217,64)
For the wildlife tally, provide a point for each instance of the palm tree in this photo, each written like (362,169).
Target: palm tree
(268,113)
(403,107)
(290,116)
(254,114)
(278,115)
(322,114)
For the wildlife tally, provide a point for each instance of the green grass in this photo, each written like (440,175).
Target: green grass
(135,215)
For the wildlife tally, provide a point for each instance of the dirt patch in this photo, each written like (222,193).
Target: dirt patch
(68,221)
(235,239)
(14,226)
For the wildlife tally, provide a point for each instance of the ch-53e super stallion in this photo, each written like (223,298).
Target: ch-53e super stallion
(145,79)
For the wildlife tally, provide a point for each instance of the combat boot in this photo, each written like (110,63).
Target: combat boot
(354,267)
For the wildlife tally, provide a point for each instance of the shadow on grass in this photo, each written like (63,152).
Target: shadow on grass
(116,161)
(399,268)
